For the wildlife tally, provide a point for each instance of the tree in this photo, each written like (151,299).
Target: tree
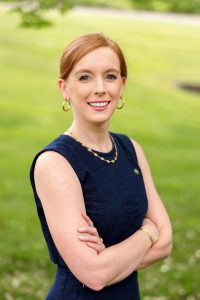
(32,11)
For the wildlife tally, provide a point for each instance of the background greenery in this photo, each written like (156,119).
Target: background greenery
(163,119)
(32,11)
(183,6)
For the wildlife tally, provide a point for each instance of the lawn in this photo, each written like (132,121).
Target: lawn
(162,118)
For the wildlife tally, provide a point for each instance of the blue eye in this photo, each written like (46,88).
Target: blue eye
(111,77)
(84,77)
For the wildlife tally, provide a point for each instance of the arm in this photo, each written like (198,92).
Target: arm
(61,195)
(156,213)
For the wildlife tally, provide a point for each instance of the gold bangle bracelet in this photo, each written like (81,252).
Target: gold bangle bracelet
(148,234)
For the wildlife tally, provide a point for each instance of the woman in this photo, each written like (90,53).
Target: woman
(100,213)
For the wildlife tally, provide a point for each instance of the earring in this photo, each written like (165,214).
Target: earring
(121,105)
(68,107)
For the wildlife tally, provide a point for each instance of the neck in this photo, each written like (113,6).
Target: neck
(94,136)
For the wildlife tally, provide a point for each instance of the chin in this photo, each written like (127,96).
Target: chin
(100,119)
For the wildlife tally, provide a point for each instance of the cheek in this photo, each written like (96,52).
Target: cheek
(115,88)
(80,91)
(115,92)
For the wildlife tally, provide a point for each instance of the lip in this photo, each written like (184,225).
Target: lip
(99,101)
(99,108)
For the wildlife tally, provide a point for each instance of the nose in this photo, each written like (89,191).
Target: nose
(99,87)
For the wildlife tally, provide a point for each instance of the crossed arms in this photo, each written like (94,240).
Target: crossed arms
(61,195)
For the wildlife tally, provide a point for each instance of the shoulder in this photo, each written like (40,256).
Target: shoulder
(51,164)
(56,153)
(57,156)
(142,160)
(49,159)
(138,147)
(53,176)
(130,141)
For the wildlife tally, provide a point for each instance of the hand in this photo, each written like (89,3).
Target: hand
(89,234)
(151,227)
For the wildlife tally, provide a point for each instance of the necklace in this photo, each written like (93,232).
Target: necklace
(95,153)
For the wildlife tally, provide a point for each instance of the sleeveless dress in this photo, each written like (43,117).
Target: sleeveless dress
(115,200)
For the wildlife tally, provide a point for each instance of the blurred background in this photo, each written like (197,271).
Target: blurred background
(161,42)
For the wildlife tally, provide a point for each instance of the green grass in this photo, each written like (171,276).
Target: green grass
(164,120)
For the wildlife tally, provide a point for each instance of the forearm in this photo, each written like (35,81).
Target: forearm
(120,260)
(161,249)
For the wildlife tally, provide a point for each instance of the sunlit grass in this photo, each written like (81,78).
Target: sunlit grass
(161,118)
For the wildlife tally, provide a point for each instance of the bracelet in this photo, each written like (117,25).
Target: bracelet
(148,234)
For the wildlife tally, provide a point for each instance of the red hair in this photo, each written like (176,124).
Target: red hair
(82,46)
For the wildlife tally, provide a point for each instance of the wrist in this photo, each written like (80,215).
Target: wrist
(149,234)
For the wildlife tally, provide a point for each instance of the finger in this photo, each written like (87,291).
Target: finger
(87,219)
(98,248)
(89,230)
(88,238)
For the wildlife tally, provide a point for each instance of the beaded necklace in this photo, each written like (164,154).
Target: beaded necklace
(95,153)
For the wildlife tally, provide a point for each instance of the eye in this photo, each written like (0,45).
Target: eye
(84,78)
(111,76)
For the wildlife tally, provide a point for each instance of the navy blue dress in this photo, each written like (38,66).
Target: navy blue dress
(115,200)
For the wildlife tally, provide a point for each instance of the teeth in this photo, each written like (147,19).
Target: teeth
(100,104)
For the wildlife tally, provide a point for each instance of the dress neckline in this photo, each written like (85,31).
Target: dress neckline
(98,152)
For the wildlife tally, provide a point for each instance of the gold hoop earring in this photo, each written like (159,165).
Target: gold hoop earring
(121,105)
(66,108)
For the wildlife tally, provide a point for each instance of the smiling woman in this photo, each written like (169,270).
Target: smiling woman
(101,215)
(94,86)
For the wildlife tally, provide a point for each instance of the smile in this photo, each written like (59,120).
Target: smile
(99,104)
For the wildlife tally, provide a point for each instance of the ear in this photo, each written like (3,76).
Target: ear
(63,88)
(123,86)
(123,81)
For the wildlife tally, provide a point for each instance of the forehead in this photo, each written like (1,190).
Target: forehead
(102,57)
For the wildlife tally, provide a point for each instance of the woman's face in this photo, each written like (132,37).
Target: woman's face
(94,86)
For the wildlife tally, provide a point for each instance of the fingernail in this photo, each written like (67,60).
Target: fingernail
(81,237)
(81,229)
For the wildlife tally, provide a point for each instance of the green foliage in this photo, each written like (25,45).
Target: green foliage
(105,3)
(33,11)
(163,119)
(180,6)
(185,6)
(33,19)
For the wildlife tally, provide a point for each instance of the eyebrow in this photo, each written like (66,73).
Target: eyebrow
(89,71)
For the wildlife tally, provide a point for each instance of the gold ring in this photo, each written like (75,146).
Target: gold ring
(100,241)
